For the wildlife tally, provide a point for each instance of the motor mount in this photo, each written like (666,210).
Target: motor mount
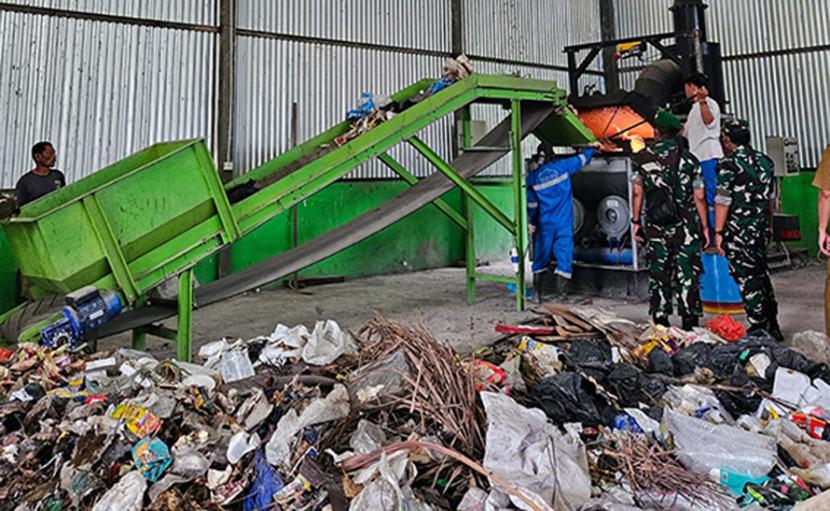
(86,309)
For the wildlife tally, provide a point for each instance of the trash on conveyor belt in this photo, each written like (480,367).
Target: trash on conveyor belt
(574,411)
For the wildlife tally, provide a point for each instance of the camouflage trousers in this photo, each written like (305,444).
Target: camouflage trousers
(674,268)
(747,257)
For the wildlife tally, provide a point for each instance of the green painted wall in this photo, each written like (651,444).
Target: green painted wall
(8,275)
(425,239)
(799,197)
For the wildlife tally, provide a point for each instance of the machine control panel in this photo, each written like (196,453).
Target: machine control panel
(784,154)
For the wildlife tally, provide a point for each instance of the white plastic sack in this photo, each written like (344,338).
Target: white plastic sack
(321,347)
(334,406)
(126,495)
(703,446)
(532,455)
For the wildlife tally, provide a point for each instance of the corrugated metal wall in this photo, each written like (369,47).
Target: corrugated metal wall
(102,79)
(777,59)
(98,91)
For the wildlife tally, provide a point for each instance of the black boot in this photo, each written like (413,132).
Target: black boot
(563,287)
(774,330)
(661,320)
(690,322)
(537,286)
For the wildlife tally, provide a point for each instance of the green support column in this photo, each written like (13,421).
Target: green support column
(139,339)
(185,323)
(519,200)
(469,210)
(470,249)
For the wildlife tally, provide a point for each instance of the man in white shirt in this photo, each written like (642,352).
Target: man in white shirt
(703,132)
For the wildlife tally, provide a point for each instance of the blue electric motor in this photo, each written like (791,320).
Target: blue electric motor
(86,309)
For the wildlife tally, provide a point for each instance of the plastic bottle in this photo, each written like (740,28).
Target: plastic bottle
(734,482)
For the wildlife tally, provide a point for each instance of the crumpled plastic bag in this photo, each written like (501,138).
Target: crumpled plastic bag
(532,455)
(126,495)
(334,406)
(726,327)
(321,347)
(814,344)
(265,485)
(702,447)
(568,397)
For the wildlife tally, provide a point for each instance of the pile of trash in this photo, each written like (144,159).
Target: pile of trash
(578,410)
(371,111)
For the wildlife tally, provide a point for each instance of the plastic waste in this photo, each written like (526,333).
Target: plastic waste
(386,377)
(266,484)
(702,446)
(633,387)
(528,452)
(367,437)
(474,500)
(790,387)
(590,356)
(568,397)
(137,419)
(691,357)
(241,444)
(726,327)
(334,406)
(151,457)
(814,344)
(254,410)
(735,482)
(126,495)
(625,422)
(236,365)
(363,109)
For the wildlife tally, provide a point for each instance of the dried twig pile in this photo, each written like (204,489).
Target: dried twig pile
(442,393)
(650,468)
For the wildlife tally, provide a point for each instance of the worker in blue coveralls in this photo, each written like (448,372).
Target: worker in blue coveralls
(550,213)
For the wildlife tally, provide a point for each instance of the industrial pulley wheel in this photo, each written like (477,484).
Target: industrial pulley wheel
(579,216)
(614,216)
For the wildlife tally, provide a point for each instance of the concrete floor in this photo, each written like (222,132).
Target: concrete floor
(438,297)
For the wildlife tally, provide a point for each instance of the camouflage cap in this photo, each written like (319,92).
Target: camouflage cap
(730,126)
(666,119)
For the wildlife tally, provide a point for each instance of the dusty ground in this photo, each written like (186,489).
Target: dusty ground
(439,298)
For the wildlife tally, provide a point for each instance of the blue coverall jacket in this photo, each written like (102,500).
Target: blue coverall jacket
(550,210)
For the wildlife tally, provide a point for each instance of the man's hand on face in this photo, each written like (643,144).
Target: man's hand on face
(702,94)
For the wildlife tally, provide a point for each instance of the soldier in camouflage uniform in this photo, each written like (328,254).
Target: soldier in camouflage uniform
(673,250)
(743,211)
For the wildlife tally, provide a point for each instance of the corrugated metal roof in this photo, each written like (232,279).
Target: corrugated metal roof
(98,91)
(419,24)
(200,12)
(325,82)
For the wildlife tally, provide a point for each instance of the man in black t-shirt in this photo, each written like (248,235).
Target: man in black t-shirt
(41,180)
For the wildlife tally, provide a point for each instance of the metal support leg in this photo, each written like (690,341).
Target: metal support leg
(519,201)
(139,339)
(470,248)
(185,323)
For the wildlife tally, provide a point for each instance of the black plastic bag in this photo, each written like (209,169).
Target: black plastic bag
(591,356)
(568,397)
(633,387)
(691,357)
(659,361)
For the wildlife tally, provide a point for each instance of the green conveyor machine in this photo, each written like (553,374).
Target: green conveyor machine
(95,250)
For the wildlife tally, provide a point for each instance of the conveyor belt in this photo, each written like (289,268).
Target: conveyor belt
(429,189)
